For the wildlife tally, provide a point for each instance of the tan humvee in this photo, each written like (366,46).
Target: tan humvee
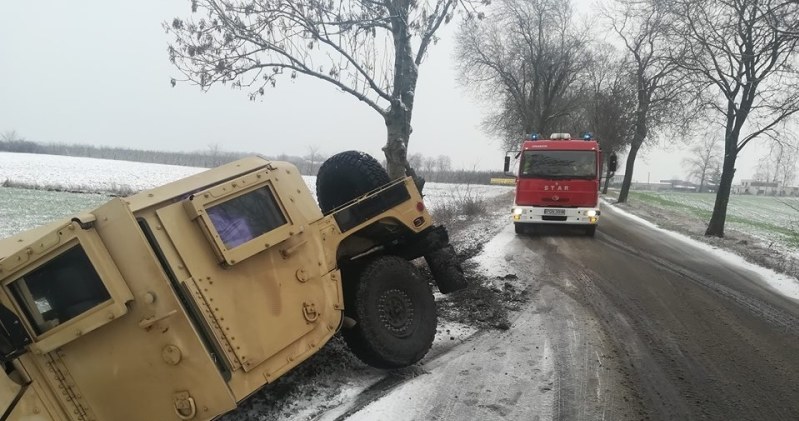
(178,302)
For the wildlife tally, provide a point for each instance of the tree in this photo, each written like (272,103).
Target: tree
(444,163)
(643,27)
(313,160)
(526,58)
(703,159)
(370,49)
(610,106)
(778,165)
(745,51)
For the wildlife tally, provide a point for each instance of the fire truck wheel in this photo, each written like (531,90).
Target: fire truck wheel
(590,230)
(394,311)
(519,228)
(345,176)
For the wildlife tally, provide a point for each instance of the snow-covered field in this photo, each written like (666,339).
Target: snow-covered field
(772,219)
(21,209)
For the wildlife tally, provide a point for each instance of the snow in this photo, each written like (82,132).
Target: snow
(106,175)
(87,174)
(783,284)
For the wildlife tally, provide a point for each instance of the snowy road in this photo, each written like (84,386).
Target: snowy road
(632,324)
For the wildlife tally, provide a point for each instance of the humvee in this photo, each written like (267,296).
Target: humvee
(179,302)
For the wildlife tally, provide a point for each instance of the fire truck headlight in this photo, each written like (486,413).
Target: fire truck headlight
(590,213)
(517,211)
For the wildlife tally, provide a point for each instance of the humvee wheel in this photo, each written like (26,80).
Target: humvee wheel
(395,314)
(347,175)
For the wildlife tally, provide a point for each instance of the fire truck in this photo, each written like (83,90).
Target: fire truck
(557,182)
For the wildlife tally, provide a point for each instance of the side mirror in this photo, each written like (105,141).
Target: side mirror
(612,162)
(507,164)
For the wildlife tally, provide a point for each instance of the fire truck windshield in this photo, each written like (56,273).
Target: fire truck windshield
(558,164)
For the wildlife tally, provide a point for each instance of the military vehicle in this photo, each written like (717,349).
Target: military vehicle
(179,302)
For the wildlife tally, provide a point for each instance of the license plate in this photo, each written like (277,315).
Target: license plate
(560,212)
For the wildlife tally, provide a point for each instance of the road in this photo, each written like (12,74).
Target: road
(632,324)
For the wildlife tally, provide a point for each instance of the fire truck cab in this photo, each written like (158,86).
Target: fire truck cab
(557,182)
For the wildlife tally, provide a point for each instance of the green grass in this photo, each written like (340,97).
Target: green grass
(763,216)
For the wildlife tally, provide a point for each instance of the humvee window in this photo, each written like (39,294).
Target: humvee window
(246,217)
(59,290)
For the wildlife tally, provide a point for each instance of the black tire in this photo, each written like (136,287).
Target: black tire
(345,176)
(519,228)
(446,269)
(394,311)
(590,230)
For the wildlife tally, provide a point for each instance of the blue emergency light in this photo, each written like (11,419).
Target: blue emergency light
(587,135)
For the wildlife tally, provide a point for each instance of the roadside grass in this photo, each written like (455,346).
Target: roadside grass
(787,232)
(460,204)
(761,229)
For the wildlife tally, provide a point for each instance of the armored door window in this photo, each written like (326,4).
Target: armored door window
(242,217)
(246,217)
(59,290)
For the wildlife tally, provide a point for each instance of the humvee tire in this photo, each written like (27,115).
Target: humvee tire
(395,313)
(347,175)
(446,269)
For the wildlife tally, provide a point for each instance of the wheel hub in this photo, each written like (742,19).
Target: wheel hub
(395,309)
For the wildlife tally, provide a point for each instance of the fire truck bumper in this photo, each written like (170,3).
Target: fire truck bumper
(547,215)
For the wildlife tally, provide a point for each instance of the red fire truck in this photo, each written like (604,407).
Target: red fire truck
(557,182)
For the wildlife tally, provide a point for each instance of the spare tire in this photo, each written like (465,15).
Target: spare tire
(347,175)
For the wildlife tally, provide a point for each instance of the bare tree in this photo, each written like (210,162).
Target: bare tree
(778,165)
(370,49)
(429,165)
(10,136)
(703,158)
(743,49)
(526,57)
(643,27)
(444,163)
(313,159)
(609,108)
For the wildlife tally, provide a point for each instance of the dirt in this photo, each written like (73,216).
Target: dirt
(329,377)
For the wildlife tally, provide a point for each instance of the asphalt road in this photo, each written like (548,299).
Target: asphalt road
(632,324)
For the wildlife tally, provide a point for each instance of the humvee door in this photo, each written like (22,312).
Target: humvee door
(109,337)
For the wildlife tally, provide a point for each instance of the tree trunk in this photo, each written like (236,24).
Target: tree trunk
(398,131)
(607,180)
(715,227)
(628,172)
(398,116)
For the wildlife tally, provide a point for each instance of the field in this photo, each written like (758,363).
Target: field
(773,219)
(23,208)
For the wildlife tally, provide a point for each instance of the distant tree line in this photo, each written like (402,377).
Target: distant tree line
(438,169)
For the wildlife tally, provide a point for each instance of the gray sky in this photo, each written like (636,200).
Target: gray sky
(96,72)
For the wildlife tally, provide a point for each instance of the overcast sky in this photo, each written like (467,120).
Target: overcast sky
(97,72)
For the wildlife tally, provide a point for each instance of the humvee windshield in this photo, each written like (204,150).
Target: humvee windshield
(59,290)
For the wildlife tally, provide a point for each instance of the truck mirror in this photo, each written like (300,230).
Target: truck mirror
(507,164)
(612,162)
